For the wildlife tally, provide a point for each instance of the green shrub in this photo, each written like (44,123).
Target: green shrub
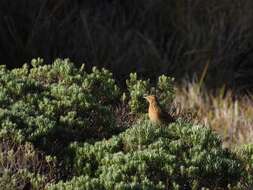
(59,106)
(46,102)
(22,164)
(137,89)
(147,157)
(20,179)
(245,153)
(78,183)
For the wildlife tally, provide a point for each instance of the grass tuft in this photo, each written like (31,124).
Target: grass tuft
(231,118)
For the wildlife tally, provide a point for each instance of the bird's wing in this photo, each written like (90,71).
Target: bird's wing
(167,117)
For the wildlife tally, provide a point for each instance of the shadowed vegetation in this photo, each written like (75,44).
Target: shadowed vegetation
(151,38)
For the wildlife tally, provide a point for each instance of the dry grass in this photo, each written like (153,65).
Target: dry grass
(147,37)
(232,119)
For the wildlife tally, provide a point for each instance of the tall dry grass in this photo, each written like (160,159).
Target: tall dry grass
(153,37)
(231,118)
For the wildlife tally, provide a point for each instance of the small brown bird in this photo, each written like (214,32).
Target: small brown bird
(155,112)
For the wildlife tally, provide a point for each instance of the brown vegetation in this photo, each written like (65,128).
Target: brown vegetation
(232,119)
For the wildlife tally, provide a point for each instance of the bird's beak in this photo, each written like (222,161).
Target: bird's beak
(145,97)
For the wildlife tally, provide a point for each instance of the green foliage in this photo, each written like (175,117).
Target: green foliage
(164,91)
(20,179)
(22,164)
(147,157)
(245,153)
(45,102)
(78,183)
(66,112)
(137,89)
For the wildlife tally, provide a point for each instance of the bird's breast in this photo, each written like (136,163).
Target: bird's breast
(153,114)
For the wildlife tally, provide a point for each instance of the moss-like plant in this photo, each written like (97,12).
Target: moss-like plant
(68,112)
(146,157)
(58,101)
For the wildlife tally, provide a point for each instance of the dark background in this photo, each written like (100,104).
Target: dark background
(180,38)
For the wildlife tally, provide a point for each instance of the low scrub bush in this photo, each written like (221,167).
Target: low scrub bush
(75,117)
(45,103)
(22,165)
(48,102)
(245,153)
(147,157)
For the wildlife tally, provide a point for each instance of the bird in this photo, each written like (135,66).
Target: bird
(156,113)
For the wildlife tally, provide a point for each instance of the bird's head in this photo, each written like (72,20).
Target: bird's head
(151,98)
